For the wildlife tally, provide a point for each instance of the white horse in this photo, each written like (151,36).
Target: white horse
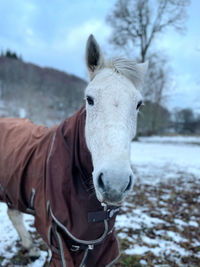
(113,97)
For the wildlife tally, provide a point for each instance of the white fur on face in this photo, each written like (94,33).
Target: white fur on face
(110,128)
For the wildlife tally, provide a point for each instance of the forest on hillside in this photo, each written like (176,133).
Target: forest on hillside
(48,96)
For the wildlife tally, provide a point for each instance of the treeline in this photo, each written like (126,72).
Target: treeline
(8,53)
(155,119)
(186,121)
(47,95)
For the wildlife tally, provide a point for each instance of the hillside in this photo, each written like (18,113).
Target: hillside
(44,95)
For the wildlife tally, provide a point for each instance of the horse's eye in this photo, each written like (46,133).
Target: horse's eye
(90,100)
(139,104)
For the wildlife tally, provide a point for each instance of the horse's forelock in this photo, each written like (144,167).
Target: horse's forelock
(128,68)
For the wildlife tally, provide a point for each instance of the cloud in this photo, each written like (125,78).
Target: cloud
(71,44)
(75,38)
(55,34)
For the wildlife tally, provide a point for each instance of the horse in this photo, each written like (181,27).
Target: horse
(74,177)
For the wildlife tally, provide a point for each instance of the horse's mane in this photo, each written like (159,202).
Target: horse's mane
(128,68)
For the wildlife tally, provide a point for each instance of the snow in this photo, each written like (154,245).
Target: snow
(9,236)
(156,160)
(193,223)
(164,154)
(143,262)
(8,233)
(153,159)
(180,222)
(171,139)
(22,113)
(41,261)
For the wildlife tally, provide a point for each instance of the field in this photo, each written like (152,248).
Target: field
(159,224)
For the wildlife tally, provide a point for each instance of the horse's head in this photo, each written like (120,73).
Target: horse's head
(112,102)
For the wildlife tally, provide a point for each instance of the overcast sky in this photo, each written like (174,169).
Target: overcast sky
(54,33)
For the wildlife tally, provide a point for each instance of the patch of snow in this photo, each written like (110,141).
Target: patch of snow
(41,261)
(175,236)
(143,262)
(193,223)
(9,236)
(22,113)
(171,139)
(160,162)
(137,250)
(167,247)
(137,220)
(124,221)
(150,241)
(180,222)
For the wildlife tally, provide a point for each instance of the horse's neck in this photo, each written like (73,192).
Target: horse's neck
(74,135)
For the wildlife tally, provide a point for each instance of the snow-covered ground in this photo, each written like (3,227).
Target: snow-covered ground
(159,161)
(159,223)
(172,139)
(9,241)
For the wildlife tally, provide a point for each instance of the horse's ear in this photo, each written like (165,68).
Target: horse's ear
(94,57)
(141,69)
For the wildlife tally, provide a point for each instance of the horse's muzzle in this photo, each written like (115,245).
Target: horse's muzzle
(113,189)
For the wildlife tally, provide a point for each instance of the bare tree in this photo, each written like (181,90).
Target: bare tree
(1,89)
(139,22)
(157,78)
(185,121)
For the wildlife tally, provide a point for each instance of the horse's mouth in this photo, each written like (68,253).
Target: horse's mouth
(109,201)
(117,204)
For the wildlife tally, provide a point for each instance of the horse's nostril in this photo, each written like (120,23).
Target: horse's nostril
(100,181)
(129,184)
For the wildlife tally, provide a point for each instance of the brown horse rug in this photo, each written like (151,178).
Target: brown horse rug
(48,172)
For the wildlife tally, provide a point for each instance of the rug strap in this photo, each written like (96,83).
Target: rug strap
(99,216)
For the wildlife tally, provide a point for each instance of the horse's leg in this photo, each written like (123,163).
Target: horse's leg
(16,218)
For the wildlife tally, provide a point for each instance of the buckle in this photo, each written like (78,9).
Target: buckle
(111,212)
(74,248)
(90,247)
